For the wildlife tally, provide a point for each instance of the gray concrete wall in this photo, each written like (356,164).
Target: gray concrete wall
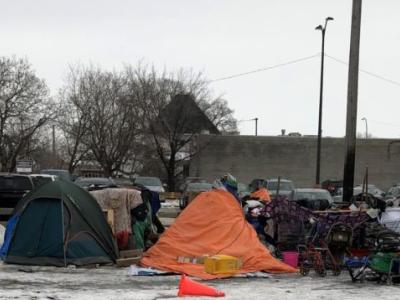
(248,157)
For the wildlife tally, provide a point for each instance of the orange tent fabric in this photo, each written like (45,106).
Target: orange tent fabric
(213,223)
(261,194)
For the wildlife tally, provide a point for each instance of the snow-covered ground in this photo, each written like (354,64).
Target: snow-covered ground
(27,282)
(170,203)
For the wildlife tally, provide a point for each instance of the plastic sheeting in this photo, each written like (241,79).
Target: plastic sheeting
(213,223)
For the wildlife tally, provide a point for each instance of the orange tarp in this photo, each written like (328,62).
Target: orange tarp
(261,194)
(213,223)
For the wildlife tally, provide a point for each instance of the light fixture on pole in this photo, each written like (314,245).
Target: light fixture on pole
(256,121)
(366,127)
(323,30)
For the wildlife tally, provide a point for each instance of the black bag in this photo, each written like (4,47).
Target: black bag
(140,212)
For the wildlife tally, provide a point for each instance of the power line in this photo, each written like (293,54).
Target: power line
(266,68)
(246,120)
(300,60)
(365,71)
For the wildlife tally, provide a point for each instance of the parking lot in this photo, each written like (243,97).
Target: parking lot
(23,282)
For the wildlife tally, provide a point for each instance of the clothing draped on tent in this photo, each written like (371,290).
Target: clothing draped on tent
(122,201)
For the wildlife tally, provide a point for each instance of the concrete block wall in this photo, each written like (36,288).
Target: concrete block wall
(249,157)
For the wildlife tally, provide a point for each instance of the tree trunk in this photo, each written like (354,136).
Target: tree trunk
(4,167)
(108,171)
(171,173)
(71,167)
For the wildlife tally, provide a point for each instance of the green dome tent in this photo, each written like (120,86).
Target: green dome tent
(59,224)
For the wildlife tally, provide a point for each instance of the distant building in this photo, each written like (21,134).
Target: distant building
(183,114)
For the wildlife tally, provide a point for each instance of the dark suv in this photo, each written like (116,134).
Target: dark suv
(12,188)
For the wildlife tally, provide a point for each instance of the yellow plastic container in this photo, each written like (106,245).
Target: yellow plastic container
(222,264)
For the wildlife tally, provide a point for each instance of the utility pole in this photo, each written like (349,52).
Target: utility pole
(318,165)
(54,140)
(352,94)
(256,119)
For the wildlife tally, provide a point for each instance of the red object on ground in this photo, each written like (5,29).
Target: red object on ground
(188,287)
(291,258)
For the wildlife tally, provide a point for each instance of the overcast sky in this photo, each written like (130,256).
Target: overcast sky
(222,38)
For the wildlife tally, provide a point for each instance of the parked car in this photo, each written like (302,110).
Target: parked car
(314,199)
(372,189)
(189,180)
(95,183)
(257,182)
(152,183)
(122,181)
(357,190)
(12,188)
(62,174)
(393,192)
(285,187)
(332,185)
(191,190)
(40,179)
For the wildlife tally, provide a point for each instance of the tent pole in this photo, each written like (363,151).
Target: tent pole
(62,225)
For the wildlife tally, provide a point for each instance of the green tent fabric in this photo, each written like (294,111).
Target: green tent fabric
(59,224)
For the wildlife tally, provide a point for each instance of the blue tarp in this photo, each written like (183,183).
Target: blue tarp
(8,235)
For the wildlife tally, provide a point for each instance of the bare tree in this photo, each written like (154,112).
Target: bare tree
(73,120)
(173,128)
(104,118)
(221,115)
(24,108)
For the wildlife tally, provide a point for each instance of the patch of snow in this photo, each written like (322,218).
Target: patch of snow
(170,203)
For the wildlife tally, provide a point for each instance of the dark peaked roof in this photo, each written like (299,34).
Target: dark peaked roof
(185,116)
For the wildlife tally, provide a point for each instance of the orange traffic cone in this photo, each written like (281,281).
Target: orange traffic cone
(189,287)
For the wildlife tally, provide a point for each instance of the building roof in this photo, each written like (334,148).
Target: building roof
(185,116)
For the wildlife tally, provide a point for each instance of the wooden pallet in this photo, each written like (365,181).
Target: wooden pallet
(171,195)
(129,257)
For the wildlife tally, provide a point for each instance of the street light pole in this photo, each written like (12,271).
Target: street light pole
(323,30)
(366,127)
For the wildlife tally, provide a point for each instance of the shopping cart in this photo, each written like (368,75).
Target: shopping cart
(315,254)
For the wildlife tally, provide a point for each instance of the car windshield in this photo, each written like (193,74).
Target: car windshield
(149,181)
(371,190)
(339,192)
(199,186)
(86,182)
(40,180)
(394,192)
(63,174)
(284,186)
(15,183)
(195,179)
(313,195)
(122,181)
